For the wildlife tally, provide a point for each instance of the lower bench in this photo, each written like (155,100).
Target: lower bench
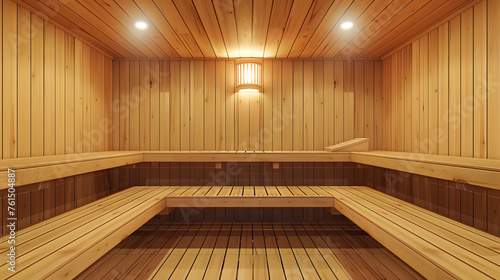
(63,246)
(435,246)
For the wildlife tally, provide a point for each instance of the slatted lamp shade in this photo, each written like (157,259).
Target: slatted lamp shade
(249,76)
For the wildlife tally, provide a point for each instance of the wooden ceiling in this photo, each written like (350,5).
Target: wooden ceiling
(246,28)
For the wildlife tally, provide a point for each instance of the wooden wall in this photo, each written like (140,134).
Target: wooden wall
(442,92)
(55,91)
(41,201)
(192,105)
(472,205)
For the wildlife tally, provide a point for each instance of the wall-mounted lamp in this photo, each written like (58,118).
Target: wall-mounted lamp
(249,76)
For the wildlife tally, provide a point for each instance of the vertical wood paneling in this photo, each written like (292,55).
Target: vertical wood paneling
(443,80)
(277,115)
(49,90)
(359,99)
(318,105)
(415,97)
(69,79)
(348,100)
(305,105)
(9,119)
(287,115)
(493,80)
(339,101)
(329,105)
(163,115)
(209,105)
(424,95)
(455,82)
(78,96)
(135,103)
(298,106)
(175,113)
(60,94)
(184,106)
(467,83)
(116,105)
(308,106)
(37,66)
(220,105)
(480,80)
(230,107)
(378,105)
(145,106)
(433,92)
(23,83)
(86,99)
(454,71)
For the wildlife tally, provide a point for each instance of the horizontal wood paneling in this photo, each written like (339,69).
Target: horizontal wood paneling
(54,89)
(451,107)
(305,105)
(472,205)
(41,201)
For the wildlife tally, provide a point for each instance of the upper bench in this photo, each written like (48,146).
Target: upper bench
(480,172)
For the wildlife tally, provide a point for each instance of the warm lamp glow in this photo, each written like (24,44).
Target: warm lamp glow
(248,77)
(141,25)
(346,25)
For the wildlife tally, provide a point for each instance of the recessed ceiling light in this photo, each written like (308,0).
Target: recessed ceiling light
(346,25)
(141,25)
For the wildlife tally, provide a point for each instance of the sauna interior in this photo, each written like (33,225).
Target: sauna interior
(250,139)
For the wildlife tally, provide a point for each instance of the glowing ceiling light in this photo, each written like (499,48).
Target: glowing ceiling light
(141,25)
(249,76)
(346,25)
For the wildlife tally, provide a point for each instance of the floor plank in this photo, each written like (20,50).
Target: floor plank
(333,250)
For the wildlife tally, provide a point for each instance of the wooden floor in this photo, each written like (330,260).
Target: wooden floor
(334,250)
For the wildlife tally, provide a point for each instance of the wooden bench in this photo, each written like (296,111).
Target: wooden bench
(480,172)
(62,247)
(435,246)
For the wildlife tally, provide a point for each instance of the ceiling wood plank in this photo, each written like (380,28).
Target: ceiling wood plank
(426,20)
(173,29)
(227,23)
(130,14)
(333,15)
(193,22)
(314,17)
(99,21)
(210,29)
(279,16)
(243,14)
(208,18)
(370,13)
(352,14)
(261,15)
(398,18)
(385,16)
(297,16)
(79,28)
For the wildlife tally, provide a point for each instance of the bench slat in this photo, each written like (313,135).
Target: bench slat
(482,259)
(62,247)
(425,251)
(33,252)
(52,231)
(66,217)
(460,233)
